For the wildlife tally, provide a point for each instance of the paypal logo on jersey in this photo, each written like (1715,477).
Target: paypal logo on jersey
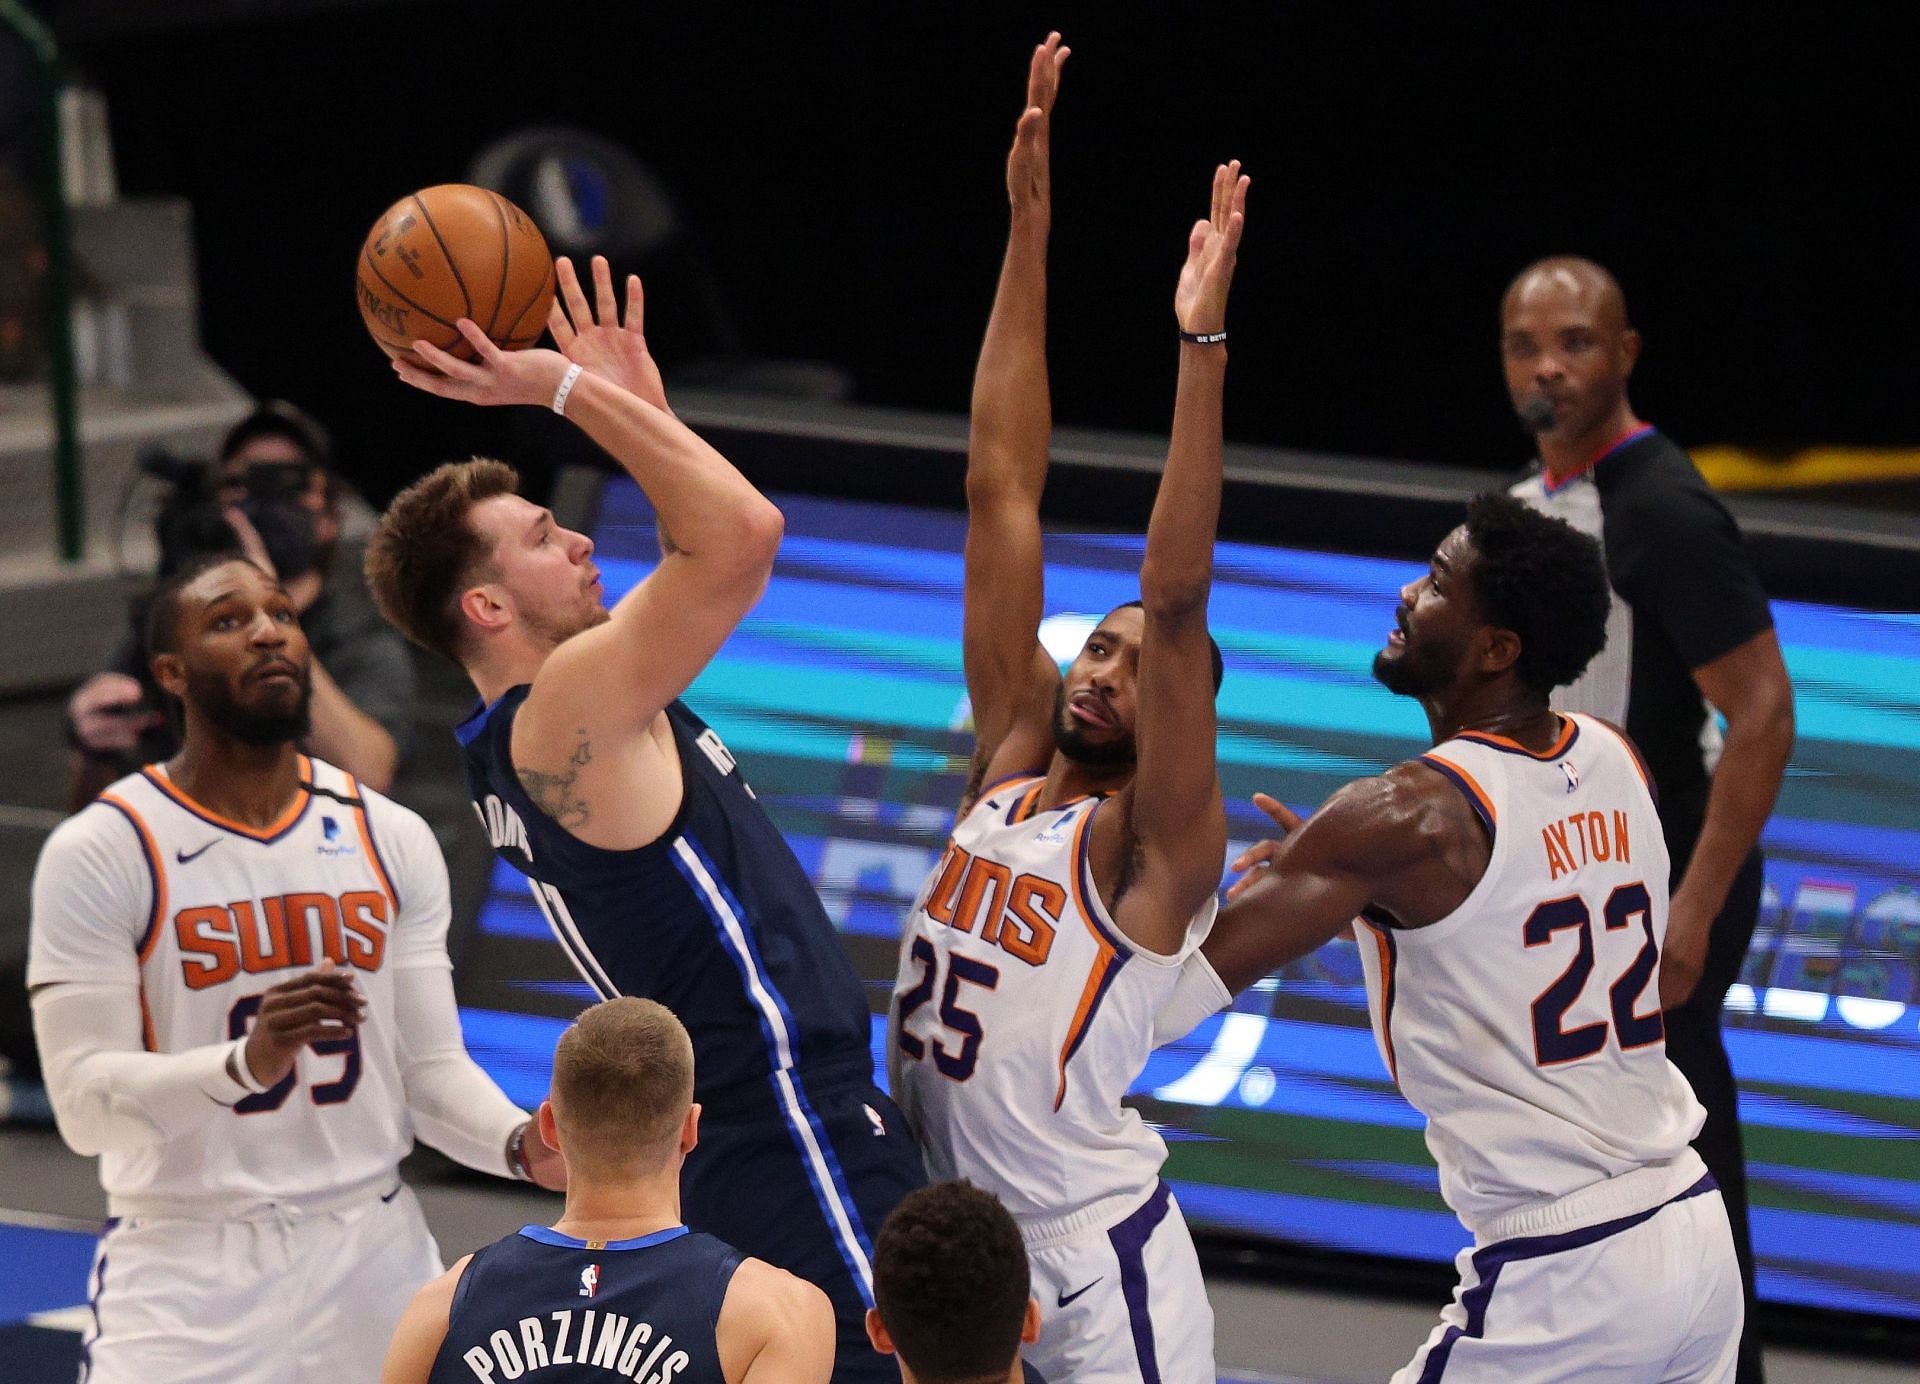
(331,830)
(589,1280)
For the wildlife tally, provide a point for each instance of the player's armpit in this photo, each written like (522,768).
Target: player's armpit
(1023,745)
(422,1330)
(774,1328)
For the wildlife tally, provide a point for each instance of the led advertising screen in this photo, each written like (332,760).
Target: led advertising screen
(843,698)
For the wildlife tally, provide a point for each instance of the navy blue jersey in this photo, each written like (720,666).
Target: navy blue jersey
(555,1308)
(716,920)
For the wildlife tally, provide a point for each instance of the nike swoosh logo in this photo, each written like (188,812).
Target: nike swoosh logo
(1066,1298)
(184,856)
(394,1193)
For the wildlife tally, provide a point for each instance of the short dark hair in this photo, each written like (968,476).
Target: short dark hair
(1543,579)
(1213,647)
(160,611)
(951,1283)
(278,418)
(426,549)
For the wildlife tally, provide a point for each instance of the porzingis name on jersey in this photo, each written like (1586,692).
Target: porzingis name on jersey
(607,1340)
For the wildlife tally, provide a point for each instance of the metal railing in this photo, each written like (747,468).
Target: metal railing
(69,498)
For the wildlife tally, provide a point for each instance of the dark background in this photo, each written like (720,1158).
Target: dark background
(1746,170)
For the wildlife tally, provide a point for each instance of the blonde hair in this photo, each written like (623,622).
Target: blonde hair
(622,1084)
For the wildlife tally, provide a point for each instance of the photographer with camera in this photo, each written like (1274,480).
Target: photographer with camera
(273,497)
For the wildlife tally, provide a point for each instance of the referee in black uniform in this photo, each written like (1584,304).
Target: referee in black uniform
(1690,627)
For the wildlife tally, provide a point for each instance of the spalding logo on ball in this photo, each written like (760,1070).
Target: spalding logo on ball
(449,252)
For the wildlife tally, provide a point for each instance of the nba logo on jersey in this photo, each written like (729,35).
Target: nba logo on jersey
(1573,775)
(589,1280)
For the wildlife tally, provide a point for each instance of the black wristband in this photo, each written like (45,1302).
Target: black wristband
(517,1153)
(1204,338)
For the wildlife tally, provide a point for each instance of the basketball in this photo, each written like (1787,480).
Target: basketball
(449,252)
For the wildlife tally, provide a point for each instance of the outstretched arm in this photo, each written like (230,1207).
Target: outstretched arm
(1404,841)
(1010,679)
(597,697)
(1175,829)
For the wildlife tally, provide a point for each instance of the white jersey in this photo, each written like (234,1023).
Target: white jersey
(1021,1015)
(1526,1025)
(147,887)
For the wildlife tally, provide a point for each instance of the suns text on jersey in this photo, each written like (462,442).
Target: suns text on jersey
(607,1340)
(219,941)
(1581,837)
(1019,914)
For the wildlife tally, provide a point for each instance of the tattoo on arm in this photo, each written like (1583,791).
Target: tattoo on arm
(555,794)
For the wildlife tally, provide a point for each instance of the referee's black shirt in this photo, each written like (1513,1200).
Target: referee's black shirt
(1685,593)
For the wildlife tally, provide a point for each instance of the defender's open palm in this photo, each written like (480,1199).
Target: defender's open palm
(1029,165)
(599,340)
(496,377)
(1213,247)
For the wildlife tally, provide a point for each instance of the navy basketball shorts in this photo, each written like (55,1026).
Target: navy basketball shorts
(805,1185)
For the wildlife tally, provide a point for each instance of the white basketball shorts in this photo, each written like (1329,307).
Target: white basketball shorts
(1648,1299)
(288,1299)
(1122,1302)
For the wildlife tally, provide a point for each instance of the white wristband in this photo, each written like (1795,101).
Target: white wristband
(566,388)
(238,1069)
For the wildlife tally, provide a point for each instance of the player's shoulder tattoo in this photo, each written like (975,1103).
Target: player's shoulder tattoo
(557,793)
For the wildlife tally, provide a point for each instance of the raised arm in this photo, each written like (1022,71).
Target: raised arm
(1174,829)
(1011,680)
(597,696)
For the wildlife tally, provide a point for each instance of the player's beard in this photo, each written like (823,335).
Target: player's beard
(1072,742)
(1420,670)
(558,627)
(259,726)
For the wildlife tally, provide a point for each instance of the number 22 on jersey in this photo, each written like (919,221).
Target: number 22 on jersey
(1553,1042)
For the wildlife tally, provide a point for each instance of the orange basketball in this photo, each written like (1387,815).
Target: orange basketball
(449,252)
